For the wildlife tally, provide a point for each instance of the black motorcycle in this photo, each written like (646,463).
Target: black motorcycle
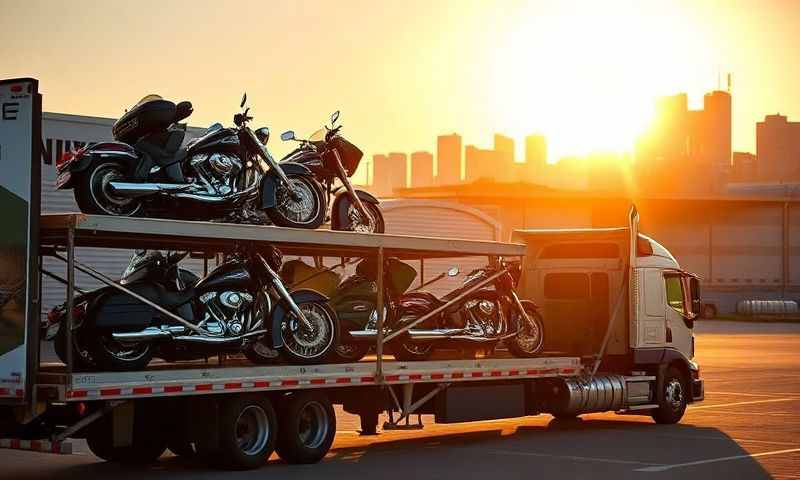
(228,173)
(241,305)
(484,318)
(331,157)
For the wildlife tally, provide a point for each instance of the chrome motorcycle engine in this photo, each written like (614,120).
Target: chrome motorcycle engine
(228,313)
(217,172)
(482,317)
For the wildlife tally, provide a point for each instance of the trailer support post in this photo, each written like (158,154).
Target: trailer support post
(381,320)
(70,293)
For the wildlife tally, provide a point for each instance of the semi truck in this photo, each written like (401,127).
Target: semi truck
(618,317)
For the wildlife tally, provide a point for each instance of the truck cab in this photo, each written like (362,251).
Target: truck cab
(619,300)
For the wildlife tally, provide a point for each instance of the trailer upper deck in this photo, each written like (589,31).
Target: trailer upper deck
(133,233)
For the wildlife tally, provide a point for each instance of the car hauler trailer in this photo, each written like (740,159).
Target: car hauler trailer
(618,333)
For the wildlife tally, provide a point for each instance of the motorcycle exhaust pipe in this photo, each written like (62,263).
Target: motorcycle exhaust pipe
(208,199)
(133,190)
(149,333)
(428,335)
(216,340)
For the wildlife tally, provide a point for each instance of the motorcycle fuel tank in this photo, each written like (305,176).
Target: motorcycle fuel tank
(229,275)
(220,140)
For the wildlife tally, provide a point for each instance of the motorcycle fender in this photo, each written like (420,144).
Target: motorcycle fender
(280,311)
(269,183)
(342,202)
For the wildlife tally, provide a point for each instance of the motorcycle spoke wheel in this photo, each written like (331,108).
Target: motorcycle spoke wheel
(356,222)
(302,210)
(313,341)
(103,196)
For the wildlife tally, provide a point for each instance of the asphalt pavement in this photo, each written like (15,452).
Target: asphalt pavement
(748,427)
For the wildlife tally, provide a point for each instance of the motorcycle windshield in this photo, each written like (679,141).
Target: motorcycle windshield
(318,136)
(147,98)
(139,263)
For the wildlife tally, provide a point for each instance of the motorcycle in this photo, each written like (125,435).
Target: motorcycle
(330,157)
(151,266)
(483,318)
(241,305)
(227,173)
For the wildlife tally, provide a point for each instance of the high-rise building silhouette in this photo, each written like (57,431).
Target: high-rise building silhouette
(504,171)
(448,159)
(480,164)
(686,140)
(381,177)
(535,158)
(778,149)
(744,167)
(397,170)
(421,169)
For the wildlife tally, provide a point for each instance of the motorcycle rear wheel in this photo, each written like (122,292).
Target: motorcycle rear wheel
(111,355)
(94,196)
(306,212)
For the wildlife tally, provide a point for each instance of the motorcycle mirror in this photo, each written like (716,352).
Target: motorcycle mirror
(263,135)
(244,100)
(334,117)
(287,135)
(452,272)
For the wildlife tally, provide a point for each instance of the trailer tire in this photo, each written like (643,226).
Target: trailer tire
(147,444)
(672,397)
(307,428)
(246,434)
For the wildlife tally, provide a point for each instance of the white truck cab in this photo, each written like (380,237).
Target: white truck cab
(618,298)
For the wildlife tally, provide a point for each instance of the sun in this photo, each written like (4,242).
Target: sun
(586,77)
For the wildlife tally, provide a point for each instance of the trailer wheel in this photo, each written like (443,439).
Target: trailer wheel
(246,434)
(147,444)
(308,425)
(672,398)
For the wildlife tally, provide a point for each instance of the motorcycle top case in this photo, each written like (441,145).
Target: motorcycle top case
(151,114)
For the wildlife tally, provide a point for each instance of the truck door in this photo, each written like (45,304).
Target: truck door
(679,316)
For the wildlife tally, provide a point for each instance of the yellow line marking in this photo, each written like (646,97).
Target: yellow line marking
(662,468)
(751,402)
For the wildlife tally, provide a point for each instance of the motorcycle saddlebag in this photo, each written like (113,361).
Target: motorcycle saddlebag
(120,311)
(399,275)
(152,114)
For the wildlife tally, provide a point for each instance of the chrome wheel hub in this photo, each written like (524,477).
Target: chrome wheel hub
(252,430)
(313,428)
(302,208)
(673,394)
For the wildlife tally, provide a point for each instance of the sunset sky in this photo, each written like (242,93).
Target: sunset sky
(583,73)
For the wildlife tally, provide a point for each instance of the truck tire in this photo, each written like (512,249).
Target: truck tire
(147,444)
(672,398)
(307,428)
(246,435)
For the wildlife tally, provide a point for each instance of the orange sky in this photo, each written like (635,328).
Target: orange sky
(583,73)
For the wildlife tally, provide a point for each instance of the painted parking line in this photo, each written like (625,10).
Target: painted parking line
(750,402)
(573,458)
(779,394)
(663,468)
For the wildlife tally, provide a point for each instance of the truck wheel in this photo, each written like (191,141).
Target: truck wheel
(246,435)
(308,425)
(147,444)
(672,398)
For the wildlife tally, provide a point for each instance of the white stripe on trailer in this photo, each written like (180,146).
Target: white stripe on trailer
(36,445)
(113,385)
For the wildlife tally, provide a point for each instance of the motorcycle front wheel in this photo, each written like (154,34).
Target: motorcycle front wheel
(94,195)
(529,342)
(354,222)
(307,210)
(312,343)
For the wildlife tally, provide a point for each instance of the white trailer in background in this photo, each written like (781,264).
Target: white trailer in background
(638,360)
